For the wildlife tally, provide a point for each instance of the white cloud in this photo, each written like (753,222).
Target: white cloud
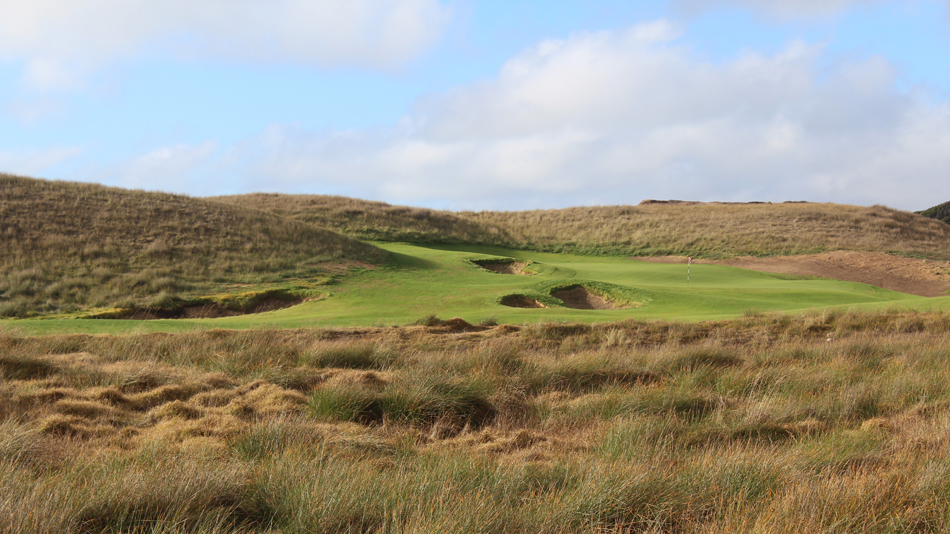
(60,41)
(614,117)
(176,168)
(781,9)
(786,9)
(612,81)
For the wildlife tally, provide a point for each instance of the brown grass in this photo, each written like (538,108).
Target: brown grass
(375,221)
(722,230)
(769,423)
(713,230)
(65,246)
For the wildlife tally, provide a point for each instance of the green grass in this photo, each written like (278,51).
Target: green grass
(941,212)
(442,280)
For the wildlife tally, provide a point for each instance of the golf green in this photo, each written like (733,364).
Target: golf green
(445,281)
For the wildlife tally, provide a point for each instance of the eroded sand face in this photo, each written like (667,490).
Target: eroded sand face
(512,267)
(210,311)
(580,298)
(520,301)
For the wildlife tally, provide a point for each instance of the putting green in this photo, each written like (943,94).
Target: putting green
(442,280)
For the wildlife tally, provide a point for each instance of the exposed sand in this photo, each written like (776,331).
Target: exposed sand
(520,301)
(208,311)
(580,298)
(511,267)
(927,278)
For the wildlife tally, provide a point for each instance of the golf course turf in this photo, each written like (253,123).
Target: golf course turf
(447,281)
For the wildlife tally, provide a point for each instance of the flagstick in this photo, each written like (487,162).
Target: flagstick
(689,263)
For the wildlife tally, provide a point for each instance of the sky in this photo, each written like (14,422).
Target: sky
(484,104)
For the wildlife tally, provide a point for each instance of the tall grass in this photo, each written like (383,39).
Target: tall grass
(375,221)
(834,422)
(69,246)
(652,228)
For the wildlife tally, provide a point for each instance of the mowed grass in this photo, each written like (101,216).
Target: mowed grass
(443,281)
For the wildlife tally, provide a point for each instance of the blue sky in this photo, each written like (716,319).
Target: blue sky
(468,104)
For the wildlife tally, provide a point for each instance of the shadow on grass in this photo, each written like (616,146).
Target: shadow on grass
(405,261)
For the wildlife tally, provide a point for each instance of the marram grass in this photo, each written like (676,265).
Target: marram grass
(696,229)
(832,422)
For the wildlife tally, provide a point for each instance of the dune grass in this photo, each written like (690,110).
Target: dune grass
(740,401)
(375,221)
(941,212)
(66,247)
(718,230)
(82,250)
(814,422)
(712,230)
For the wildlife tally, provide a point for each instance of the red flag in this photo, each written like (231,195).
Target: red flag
(690,258)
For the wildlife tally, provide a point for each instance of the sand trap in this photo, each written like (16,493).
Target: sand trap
(504,267)
(520,301)
(579,298)
(927,278)
(209,311)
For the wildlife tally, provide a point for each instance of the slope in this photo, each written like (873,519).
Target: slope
(449,281)
(941,212)
(376,221)
(66,246)
(726,229)
(711,230)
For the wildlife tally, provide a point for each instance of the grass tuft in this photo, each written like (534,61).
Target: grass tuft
(360,355)
(760,423)
(429,320)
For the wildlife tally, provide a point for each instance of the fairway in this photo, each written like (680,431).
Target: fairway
(443,281)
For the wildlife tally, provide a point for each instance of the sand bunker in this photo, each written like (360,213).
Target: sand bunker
(579,298)
(520,301)
(927,278)
(504,267)
(209,311)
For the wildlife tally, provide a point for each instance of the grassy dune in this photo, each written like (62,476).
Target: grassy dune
(71,248)
(941,212)
(376,221)
(820,422)
(68,246)
(723,230)
(698,229)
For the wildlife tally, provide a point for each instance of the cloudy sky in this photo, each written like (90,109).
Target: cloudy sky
(484,104)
